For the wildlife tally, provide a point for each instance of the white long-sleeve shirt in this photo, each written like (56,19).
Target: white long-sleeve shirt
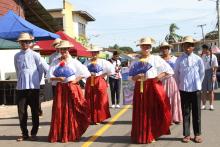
(78,68)
(29,69)
(105,65)
(158,64)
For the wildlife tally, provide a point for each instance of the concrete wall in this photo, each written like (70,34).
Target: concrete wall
(7,62)
(68,20)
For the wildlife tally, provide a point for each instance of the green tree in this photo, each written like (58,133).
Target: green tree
(116,46)
(83,40)
(212,35)
(155,49)
(172,37)
(126,49)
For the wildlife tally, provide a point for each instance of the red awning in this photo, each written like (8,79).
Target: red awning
(77,50)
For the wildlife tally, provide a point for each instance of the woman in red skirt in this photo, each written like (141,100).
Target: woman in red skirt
(96,86)
(151,108)
(70,110)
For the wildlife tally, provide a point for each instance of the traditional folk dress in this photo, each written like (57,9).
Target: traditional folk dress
(96,90)
(172,91)
(151,108)
(70,113)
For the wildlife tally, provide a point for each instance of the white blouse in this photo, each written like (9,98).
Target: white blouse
(158,64)
(78,68)
(105,65)
(206,61)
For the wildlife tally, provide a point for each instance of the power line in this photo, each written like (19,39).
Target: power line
(150,26)
(202,25)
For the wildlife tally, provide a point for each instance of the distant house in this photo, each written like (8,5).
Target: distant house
(212,43)
(177,47)
(73,22)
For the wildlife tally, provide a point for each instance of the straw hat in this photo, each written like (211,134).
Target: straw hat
(94,48)
(188,39)
(64,44)
(146,40)
(165,44)
(25,36)
(36,48)
(56,41)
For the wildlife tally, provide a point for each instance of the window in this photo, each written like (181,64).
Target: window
(81,29)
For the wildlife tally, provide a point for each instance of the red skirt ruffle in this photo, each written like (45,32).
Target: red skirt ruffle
(69,114)
(97,98)
(151,112)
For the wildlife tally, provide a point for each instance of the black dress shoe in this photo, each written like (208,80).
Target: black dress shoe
(33,138)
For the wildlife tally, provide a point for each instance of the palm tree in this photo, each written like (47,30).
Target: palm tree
(172,37)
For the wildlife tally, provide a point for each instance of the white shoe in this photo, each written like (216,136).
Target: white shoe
(117,106)
(212,107)
(203,107)
(113,106)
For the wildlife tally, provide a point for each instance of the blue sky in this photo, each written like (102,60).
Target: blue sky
(123,22)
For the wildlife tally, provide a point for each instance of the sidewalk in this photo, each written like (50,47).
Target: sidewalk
(7,111)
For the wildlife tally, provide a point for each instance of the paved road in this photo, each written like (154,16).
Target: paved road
(117,134)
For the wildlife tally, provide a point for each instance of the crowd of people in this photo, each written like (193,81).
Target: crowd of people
(166,89)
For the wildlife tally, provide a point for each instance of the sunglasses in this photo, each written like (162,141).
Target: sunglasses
(26,42)
(188,44)
(64,49)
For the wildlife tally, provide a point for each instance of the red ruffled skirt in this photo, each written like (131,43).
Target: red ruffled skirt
(97,98)
(69,114)
(151,112)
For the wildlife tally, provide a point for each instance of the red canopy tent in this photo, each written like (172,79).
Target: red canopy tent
(77,50)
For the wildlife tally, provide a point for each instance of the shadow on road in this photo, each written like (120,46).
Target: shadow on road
(119,122)
(9,118)
(29,124)
(127,139)
(40,138)
(169,139)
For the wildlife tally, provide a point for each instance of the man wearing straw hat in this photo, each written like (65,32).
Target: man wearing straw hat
(56,54)
(189,74)
(53,57)
(29,72)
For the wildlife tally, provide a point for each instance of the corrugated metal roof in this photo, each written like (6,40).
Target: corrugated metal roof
(38,15)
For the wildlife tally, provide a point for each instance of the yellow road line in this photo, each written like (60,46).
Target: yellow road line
(105,127)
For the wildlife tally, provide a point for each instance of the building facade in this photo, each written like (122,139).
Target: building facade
(73,22)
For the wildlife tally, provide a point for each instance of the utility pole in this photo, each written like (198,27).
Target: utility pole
(203,37)
(217,7)
(218,19)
